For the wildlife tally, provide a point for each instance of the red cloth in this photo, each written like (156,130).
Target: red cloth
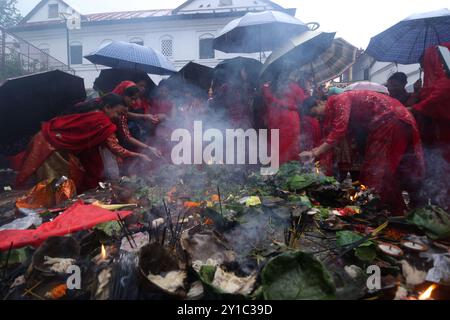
(15,162)
(161,106)
(311,134)
(433,116)
(121,87)
(78,217)
(282,114)
(237,102)
(434,106)
(143,105)
(80,134)
(393,140)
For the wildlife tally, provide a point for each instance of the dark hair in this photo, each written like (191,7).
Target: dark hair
(111,100)
(131,91)
(401,77)
(92,105)
(307,105)
(140,76)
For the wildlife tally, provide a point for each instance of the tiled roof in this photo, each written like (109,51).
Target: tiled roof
(125,15)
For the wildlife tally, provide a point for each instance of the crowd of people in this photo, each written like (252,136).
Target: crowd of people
(390,143)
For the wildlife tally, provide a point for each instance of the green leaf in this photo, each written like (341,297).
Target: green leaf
(305,201)
(324,213)
(296,276)
(300,182)
(345,238)
(17,256)
(367,254)
(110,228)
(207,273)
(434,221)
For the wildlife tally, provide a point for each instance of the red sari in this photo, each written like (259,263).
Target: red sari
(237,104)
(283,114)
(78,134)
(393,157)
(433,116)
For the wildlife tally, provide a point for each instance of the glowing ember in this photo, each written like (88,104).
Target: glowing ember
(103,254)
(427,294)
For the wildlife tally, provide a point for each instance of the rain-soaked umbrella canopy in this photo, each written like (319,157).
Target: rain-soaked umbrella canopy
(231,68)
(110,78)
(407,41)
(332,63)
(27,101)
(258,32)
(298,51)
(124,55)
(197,74)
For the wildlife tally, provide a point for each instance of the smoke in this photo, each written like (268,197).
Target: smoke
(436,186)
(256,232)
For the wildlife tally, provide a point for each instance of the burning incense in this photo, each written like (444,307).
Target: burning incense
(220,200)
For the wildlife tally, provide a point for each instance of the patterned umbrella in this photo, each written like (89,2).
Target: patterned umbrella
(332,63)
(299,51)
(258,32)
(407,41)
(124,55)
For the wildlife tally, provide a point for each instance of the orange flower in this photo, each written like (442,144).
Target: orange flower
(189,204)
(215,198)
(59,291)
(209,222)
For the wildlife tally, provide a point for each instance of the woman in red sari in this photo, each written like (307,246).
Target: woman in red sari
(163,106)
(393,160)
(130,94)
(282,114)
(70,145)
(433,117)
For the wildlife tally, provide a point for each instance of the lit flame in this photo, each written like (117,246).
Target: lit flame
(317,171)
(427,294)
(103,254)
(354,198)
(363,187)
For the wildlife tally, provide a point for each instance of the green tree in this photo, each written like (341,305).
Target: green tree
(9,14)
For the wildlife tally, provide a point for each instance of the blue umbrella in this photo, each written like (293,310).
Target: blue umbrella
(124,55)
(258,32)
(406,42)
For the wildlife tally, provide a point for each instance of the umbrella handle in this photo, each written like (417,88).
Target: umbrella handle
(313,26)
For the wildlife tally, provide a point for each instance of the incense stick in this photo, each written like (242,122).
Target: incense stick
(5,272)
(220,200)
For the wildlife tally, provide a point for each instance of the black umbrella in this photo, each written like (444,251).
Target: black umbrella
(197,74)
(110,78)
(27,101)
(232,67)
(258,32)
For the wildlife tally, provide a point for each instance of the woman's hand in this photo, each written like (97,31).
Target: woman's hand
(155,152)
(153,118)
(307,156)
(145,158)
(162,117)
